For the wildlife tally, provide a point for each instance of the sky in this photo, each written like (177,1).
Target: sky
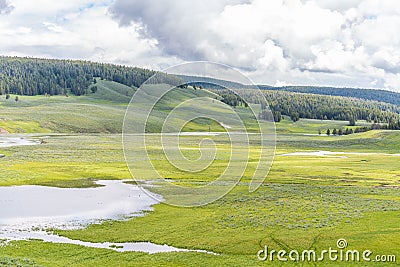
(342,43)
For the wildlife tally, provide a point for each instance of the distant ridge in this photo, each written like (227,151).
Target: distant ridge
(367,94)
(361,93)
(36,76)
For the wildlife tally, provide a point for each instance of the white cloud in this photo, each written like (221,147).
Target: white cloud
(327,42)
(5,7)
(392,81)
(270,40)
(281,83)
(53,27)
(78,29)
(340,5)
(273,58)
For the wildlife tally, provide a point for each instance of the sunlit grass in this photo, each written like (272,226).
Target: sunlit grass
(305,201)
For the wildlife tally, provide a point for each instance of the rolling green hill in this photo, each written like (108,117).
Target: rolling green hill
(99,112)
(111,91)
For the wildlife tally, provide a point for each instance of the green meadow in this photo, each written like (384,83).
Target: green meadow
(306,201)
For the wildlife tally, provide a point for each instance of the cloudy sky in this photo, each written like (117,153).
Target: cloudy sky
(304,42)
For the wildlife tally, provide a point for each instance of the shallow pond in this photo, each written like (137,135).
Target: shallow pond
(27,211)
(27,206)
(7,141)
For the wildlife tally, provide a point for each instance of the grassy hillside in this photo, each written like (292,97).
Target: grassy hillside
(99,112)
(60,114)
(104,111)
(111,91)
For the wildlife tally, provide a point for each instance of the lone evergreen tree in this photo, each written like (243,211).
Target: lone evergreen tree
(328,132)
(294,116)
(352,121)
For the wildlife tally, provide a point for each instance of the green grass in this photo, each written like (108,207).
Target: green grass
(22,127)
(61,114)
(304,199)
(108,91)
(63,159)
(309,126)
(237,227)
(100,112)
(47,254)
(19,262)
(305,202)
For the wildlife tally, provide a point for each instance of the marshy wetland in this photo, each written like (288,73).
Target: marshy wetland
(307,200)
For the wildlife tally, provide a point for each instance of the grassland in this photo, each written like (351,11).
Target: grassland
(307,126)
(306,201)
